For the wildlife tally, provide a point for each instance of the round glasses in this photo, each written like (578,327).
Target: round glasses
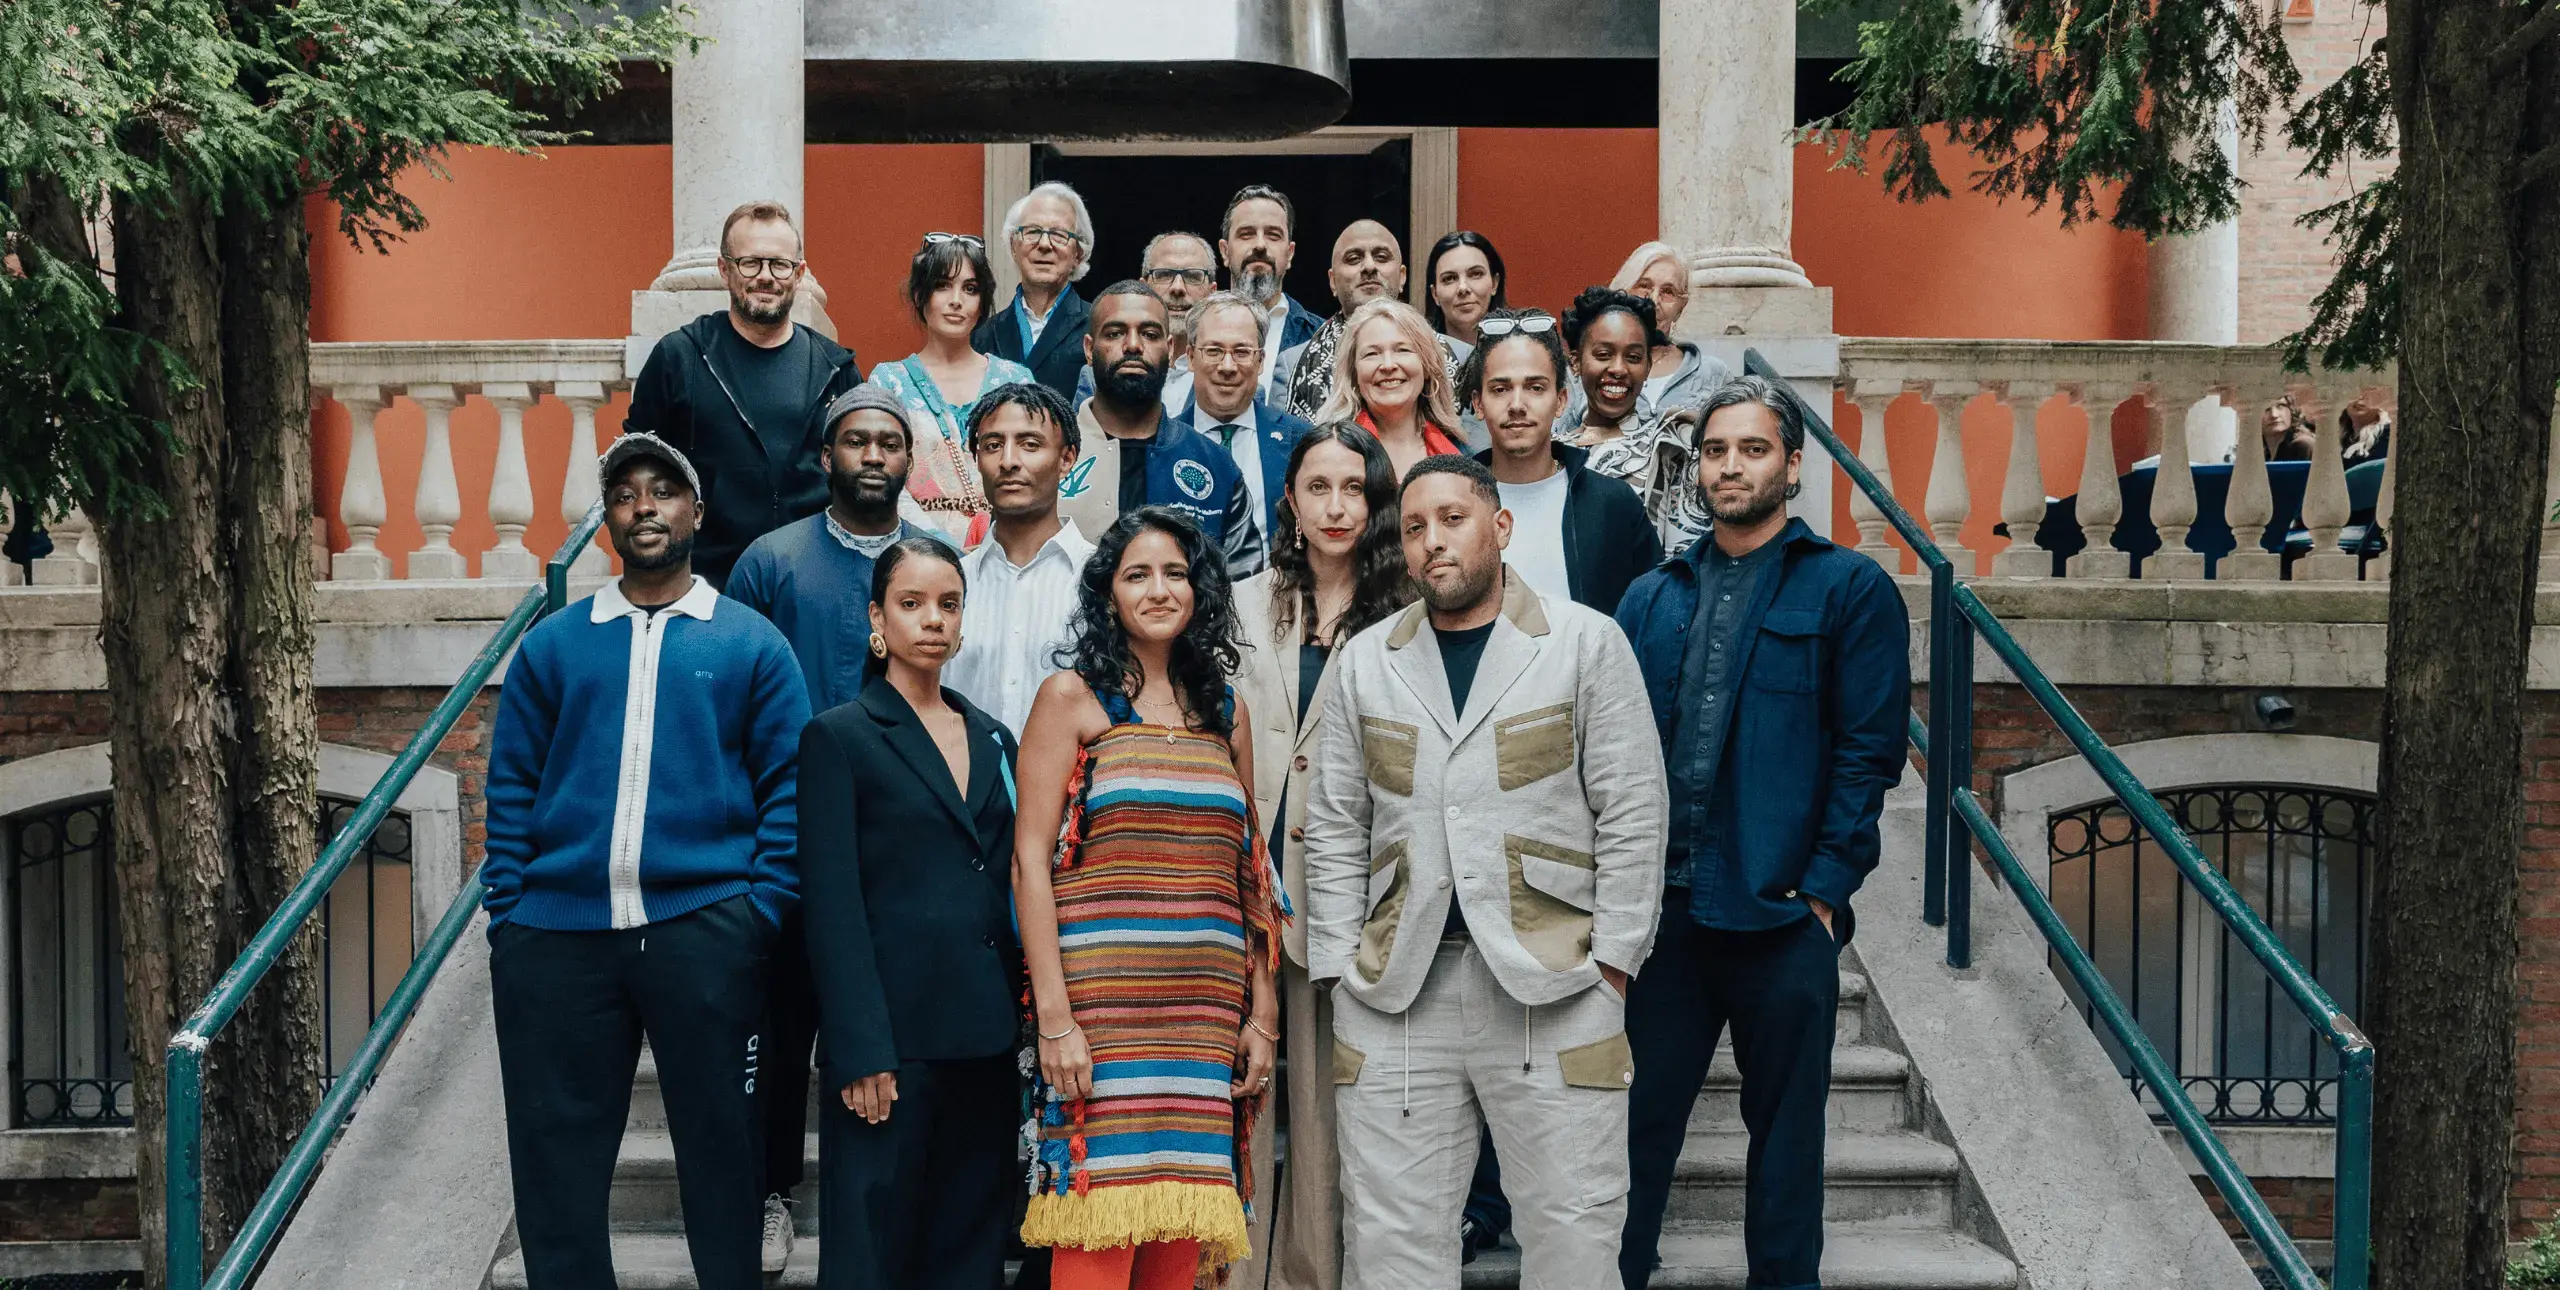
(756,266)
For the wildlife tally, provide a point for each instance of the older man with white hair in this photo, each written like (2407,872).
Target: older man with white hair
(1050,234)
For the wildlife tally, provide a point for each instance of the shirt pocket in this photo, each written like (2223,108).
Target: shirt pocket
(1387,882)
(1386,753)
(1533,745)
(1787,658)
(1553,890)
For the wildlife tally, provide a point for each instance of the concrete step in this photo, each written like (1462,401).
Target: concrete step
(1853,1258)
(1867,1091)
(658,1261)
(1852,1026)
(645,1198)
(1888,1179)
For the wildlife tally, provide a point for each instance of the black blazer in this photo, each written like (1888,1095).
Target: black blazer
(1055,361)
(906,886)
(1608,538)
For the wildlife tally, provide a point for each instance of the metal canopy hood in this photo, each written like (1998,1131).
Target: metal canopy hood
(1038,70)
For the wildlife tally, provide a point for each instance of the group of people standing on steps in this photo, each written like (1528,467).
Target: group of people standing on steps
(1217,897)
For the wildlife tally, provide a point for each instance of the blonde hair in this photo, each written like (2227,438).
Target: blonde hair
(1438,404)
(1643,259)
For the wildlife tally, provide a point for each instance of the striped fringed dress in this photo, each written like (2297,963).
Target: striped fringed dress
(1164,900)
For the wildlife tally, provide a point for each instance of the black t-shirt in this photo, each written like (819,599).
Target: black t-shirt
(1133,472)
(772,387)
(1460,651)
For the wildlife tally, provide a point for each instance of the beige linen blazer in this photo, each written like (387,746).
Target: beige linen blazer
(1539,809)
(1282,748)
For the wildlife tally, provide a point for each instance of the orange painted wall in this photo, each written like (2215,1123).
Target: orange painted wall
(552,246)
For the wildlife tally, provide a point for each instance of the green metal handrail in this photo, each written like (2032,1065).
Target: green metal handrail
(1957,820)
(186,1051)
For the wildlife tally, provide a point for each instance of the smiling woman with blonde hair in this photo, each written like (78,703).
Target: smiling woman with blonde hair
(1391,377)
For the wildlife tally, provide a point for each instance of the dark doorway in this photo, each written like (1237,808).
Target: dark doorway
(1133,198)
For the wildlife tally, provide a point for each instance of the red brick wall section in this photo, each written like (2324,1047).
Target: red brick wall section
(69,1209)
(2283,265)
(2305,1207)
(43,722)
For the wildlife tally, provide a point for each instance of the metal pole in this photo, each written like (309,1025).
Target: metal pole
(1933,855)
(184,1236)
(2351,1225)
(1959,759)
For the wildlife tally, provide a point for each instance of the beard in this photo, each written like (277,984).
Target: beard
(1751,508)
(866,496)
(1259,281)
(678,550)
(1125,390)
(739,301)
(1473,585)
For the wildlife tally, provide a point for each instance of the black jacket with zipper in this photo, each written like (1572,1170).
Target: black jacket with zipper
(1608,541)
(755,479)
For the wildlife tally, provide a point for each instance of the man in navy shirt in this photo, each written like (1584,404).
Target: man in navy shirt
(643,831)
(812,579)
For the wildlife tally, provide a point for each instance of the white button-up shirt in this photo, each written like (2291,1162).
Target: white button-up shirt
(1240,446)
(1016,620)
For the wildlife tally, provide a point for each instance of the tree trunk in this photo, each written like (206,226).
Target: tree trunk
(2475,412)
(206,616)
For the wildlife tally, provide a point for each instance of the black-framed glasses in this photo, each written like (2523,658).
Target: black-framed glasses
(1037,235)
(1527,324)
(1187,277)
(755,266)
(965,239)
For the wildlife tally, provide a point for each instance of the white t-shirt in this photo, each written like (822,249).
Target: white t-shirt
(1537,535)
(1655,385)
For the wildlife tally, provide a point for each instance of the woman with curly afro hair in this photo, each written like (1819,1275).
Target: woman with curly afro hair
(1149,919)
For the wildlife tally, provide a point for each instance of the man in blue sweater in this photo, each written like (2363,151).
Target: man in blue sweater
(812,579)
(642,851)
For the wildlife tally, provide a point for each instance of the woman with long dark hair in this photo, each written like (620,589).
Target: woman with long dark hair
(1462,281)
(949,283)
(905,829)
(1337,566)
(1149,920)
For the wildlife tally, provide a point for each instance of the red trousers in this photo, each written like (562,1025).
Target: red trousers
(1156,1265)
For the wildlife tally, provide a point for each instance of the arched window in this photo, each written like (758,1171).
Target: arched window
(71,1065)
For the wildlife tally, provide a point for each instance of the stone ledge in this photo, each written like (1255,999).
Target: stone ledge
(2267,1151)
(66,1153)
(68,1258)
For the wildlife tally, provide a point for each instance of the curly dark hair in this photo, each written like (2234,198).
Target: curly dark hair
(1596,303)
(1380,585)
(1204,655)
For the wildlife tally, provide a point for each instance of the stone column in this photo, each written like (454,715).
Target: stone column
(2195,296)
(1726,105)
(740,126)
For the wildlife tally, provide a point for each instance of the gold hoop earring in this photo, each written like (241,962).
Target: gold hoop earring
(879,646)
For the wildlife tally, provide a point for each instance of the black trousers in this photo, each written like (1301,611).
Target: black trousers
(571,1009)
(924,1199)
(1780,992)
(791,1025)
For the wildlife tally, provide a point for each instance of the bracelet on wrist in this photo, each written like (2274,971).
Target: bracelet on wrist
(1257,1029)
(1071,1029)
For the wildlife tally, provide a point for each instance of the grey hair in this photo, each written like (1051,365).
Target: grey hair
(1228,299)
(1147,258)
(1075,202)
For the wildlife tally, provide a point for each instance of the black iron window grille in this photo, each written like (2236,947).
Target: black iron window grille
(69,1061)
(2302,858)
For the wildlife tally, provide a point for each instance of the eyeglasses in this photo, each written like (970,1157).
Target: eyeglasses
(1529,325)
(756,266)
(937,239)
(1667,290)
(1187,277)
(1038,236)
(1213,355)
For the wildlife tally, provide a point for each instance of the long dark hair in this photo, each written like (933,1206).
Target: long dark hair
(886,568)
(938,262)
(1379,585)
(1203,656)
(1431,273)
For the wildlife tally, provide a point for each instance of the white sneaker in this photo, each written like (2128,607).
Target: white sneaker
(777,1233)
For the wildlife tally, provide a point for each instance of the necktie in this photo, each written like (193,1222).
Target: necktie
(1226,432)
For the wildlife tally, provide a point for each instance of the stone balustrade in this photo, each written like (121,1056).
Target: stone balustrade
(2038,383)
(367,378)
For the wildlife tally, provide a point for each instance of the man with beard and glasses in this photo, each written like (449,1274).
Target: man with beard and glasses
(1779,671)
(1483,861)
(1367,265)
(1257,242)
(743,393)
(642,850)
(1134,454)
(812,579)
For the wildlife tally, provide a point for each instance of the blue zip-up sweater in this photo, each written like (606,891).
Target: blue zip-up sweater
(613,804)
(1818,731)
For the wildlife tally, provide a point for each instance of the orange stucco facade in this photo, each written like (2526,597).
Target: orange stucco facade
(551,246)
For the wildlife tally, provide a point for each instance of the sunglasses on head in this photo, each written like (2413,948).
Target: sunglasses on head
(937,239)
(1527,324)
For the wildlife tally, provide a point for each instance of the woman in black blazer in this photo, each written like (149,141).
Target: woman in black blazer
(906,843)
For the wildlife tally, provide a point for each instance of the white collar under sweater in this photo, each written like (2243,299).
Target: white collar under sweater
(639,735)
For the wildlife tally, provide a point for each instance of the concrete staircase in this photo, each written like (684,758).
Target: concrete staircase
(1894,1205)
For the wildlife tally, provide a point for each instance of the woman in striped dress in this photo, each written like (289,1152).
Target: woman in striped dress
(1149,922)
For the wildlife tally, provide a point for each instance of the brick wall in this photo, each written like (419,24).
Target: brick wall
(69,1209)
(32,723)
(2305,1207)
(2282,265)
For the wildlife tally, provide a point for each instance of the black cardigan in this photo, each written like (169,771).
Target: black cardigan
(1608,539)
(906,888)
(1057,356)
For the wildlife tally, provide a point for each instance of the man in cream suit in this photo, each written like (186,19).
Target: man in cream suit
(1483,839)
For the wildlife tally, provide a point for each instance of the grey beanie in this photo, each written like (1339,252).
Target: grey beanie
(869,394)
